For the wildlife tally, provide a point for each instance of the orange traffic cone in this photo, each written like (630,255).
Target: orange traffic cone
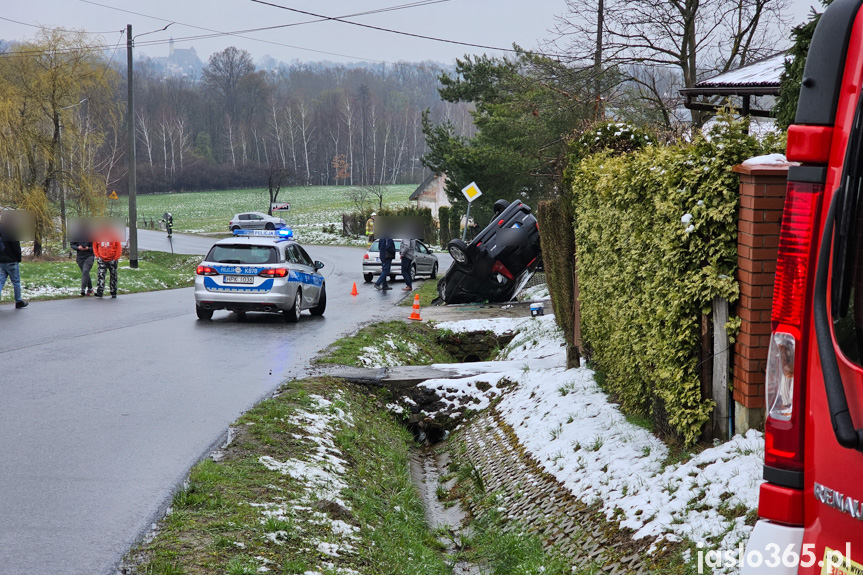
(416,312)
(354,290)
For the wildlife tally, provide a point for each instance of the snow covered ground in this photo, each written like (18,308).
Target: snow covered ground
(568,424)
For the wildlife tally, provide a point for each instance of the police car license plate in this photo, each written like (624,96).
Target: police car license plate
(239,279)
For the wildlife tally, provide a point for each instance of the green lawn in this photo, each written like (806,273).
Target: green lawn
(58,279)
(202,212)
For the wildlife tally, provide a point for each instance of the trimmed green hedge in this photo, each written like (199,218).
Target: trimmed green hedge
(423,214)
(656,233)
(446,233)
(558,250)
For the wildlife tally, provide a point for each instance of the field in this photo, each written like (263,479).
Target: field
(209,212)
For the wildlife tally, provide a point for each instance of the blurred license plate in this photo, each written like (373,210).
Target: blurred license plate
(239,279)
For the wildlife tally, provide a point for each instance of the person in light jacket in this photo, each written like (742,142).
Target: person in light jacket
(408,253)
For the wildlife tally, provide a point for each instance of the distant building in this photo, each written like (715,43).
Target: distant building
(181,62)
(432,194)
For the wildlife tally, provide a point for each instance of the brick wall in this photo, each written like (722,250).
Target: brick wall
(762,197)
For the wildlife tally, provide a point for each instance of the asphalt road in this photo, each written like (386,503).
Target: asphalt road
(108,403)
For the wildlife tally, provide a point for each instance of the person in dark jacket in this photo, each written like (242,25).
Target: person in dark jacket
(10,260)
(388,253)
(84,257)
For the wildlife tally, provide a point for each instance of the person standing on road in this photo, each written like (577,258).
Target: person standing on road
(107,250)
(388,253)
(84,257)
(10,260)
(370,228)
(408,253)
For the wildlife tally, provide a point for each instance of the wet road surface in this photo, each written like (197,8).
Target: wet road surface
(108,403)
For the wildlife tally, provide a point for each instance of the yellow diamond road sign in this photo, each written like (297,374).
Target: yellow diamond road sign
(113,196)
(471,192)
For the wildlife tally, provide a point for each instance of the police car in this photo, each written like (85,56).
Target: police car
(259,270)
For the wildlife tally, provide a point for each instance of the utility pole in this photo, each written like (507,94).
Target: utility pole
(130,126)
(597,61)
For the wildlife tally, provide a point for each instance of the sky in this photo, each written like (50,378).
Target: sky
(492,23)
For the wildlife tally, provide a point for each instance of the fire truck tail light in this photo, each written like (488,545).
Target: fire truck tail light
(795,252)
(780,376)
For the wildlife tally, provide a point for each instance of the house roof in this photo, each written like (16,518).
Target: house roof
(421,188)
(761,78)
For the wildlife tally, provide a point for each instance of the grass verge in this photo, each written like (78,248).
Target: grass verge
(412,343)
(59,278)
(427,291)
(316,480)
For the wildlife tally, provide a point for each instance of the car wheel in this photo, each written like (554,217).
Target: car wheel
(270,226)
(203,313)
(458,250)
(322,303)
(434,271)
(368,278)
(500,206)
(413,272)
(292,315)
(234,228)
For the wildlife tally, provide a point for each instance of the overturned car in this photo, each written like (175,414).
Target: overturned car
(498,262)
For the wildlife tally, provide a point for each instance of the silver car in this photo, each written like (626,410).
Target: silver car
(255,221)
(259,271)
(425,262)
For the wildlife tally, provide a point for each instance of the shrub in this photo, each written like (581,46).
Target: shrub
(557,238)
(656,234)
(445,233)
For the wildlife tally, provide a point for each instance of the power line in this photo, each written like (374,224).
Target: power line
(41,27)
(381,29)
(217,33)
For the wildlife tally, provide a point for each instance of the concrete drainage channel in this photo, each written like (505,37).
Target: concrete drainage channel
(531,496)
(427,469)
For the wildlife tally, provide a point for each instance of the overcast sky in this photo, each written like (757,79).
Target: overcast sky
(496,23)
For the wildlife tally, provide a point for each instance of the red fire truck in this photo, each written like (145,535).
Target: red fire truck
(811,506)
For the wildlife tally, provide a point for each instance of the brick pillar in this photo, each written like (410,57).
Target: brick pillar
(762,197)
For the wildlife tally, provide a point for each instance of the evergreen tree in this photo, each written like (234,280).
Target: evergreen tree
(792,76)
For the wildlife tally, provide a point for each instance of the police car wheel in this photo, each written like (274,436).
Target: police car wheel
(292,315)
(368,278)
(270,226)
(434,271)
(203,313)
(413,273)
(322,303)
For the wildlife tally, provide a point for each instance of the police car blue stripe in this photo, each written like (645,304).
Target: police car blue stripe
(305,278)
(211,285)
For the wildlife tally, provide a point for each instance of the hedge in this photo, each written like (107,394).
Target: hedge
(558,250)
(656,234)
(446,233)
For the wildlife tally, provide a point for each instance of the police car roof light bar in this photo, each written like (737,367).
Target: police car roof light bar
(283,233)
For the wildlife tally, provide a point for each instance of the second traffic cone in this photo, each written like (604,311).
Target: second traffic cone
(354,290)
(416,312)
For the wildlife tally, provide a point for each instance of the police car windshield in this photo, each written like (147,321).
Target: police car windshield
(243,254)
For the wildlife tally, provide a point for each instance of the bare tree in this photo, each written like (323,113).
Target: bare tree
(693,37)
(277,176)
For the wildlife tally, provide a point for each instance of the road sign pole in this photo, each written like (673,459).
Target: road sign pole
(471,192)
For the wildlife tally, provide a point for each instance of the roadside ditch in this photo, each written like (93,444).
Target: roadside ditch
(338,477)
